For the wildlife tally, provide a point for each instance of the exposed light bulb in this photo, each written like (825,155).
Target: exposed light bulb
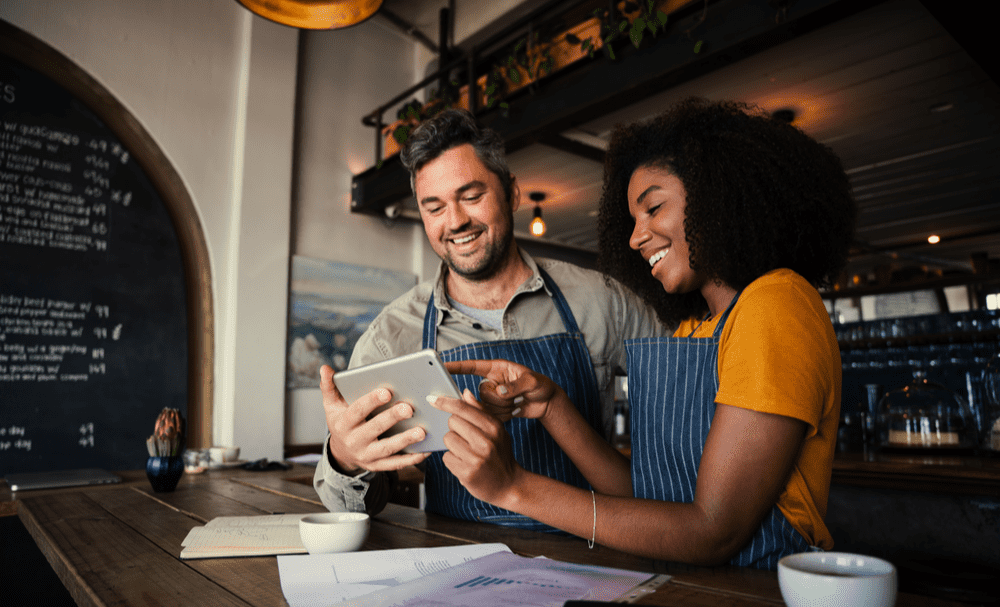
(933,239)
(538,224)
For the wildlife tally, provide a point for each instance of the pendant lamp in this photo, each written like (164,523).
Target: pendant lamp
(314,14)
(537,226)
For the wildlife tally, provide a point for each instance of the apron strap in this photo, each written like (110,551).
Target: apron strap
(722,321)
(725,315)
(430,325)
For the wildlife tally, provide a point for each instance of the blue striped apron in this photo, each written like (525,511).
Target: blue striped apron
(672,385)
(564,358)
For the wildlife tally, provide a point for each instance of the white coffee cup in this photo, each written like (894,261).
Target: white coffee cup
(334,531)
(820,579)
(223,455)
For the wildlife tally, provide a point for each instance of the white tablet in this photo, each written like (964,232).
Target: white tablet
(411,378)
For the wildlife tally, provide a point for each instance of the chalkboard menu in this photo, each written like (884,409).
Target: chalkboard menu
(93,312)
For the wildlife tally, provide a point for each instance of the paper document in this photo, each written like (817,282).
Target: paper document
(504,579)
(327,579)
(244,536)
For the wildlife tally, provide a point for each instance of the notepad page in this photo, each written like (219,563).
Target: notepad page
(244,536)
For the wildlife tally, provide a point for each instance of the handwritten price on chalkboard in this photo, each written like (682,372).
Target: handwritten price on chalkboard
(116,149)
(97,162)
(102,332)
(123,198)
(97,178)
(87,435)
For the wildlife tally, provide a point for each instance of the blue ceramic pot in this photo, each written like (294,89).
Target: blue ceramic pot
(164,472)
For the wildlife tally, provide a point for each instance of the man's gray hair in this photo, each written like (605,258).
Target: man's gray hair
(449,129)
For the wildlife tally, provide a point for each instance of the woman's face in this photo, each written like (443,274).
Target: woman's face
(656,200)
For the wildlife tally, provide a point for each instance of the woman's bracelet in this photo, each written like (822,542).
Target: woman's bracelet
(593,532)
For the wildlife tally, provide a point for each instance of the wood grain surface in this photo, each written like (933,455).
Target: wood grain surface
(120,545)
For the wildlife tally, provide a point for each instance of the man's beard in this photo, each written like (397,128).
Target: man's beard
(494,255)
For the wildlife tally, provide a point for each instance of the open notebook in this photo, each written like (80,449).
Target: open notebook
(24,481)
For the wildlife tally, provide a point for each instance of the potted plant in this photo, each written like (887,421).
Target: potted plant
(165,464)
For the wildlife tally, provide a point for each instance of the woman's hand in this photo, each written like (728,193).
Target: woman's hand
(479,451)
(512,390)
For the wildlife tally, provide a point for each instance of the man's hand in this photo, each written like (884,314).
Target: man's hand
(354,439)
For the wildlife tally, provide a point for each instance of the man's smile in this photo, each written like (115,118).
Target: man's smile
(465,239)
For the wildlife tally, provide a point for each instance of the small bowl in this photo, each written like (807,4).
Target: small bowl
(818,579)
(223,455)
(334,531)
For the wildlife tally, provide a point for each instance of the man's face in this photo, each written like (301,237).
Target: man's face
(468,221)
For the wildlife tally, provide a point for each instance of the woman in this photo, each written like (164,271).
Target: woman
(726,220)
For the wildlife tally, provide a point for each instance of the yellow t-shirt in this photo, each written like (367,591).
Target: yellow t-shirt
(778,354)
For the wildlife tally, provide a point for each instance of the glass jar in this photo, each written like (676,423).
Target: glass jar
(924,415)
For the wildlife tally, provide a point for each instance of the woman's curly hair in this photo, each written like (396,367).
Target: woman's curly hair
(761,195)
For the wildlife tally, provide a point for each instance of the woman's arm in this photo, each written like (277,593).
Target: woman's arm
(747,459)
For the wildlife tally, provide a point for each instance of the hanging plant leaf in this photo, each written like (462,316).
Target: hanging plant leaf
(570,38)
(662,17)
(545,67)
(649,6)
(587,46)
(410,109)
(401,133)
(622,26)
(514,75)
(697,46)
(636,35)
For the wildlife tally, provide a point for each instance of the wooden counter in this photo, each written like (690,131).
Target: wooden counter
(929,472)
(120,544)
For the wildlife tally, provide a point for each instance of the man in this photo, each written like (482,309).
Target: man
(488,300)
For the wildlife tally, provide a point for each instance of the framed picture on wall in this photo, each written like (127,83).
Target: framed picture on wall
(331,305)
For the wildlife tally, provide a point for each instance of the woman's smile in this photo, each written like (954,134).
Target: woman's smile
(657,257)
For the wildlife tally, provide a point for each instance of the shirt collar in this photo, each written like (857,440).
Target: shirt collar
(531,285)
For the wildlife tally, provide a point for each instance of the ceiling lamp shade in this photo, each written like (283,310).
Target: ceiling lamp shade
(314,14)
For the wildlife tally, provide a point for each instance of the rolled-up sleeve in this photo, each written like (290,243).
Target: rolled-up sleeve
(367,492)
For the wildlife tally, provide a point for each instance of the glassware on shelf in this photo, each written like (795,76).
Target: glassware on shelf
(991,408)
(925,415)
